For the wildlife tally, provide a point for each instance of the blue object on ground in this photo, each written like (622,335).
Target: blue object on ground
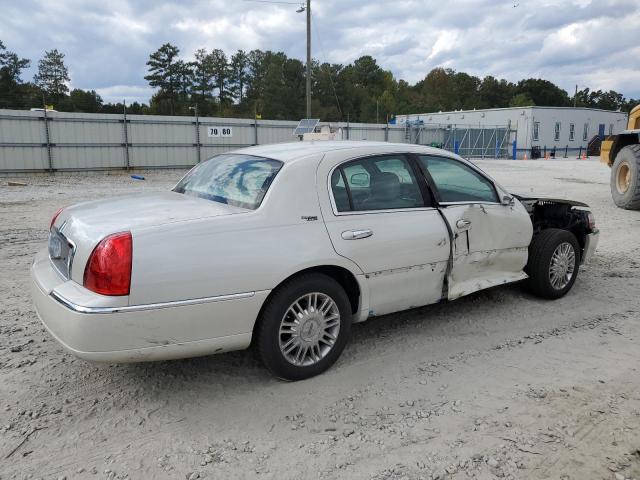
(137,177)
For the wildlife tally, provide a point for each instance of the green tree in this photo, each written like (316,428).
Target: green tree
(521,100)
(438,90)
(238,75)
(135,108)
(87,101)
(257,67)
(221,74)
(165,71)
(11,66)
(495,93)
(203,74)
(284,87)
(543,92)
(53,75)
(324,91)
(13,92)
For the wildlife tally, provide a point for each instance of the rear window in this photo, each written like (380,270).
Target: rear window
(237,180)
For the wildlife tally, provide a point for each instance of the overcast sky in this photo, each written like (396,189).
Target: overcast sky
(107,42)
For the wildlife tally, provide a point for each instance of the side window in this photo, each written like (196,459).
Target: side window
(458,183)
(340,195)
(376,183)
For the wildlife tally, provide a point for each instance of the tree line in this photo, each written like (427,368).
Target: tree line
(272,85)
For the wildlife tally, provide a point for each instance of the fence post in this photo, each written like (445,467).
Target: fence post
(127,162)
(47,137)
(197,124)
(386,131)
(566,151)
(255,131)
(454,139)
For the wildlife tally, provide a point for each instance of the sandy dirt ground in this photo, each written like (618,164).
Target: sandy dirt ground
(498,384)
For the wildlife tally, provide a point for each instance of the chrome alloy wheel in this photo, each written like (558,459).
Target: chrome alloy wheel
(309,329)
(562,266)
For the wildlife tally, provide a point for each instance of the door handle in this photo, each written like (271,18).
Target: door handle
(356,234)
(463,224)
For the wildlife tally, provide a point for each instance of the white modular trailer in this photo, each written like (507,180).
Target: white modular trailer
(565,129)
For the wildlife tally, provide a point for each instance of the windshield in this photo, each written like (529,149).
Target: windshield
(238,180)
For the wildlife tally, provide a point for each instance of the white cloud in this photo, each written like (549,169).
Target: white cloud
(107,42)
(128,93)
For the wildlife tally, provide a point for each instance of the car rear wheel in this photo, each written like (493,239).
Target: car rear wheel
(304,327)
(554,261)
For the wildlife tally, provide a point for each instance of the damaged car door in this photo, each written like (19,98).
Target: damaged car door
(378,217)
(491,230)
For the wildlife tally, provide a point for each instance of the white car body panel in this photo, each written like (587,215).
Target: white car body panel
(414,274)
(491,250)
(89,222)
(252,251)
(202,270)
(140,335)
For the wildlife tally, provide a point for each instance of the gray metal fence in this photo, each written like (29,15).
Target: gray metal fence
(61,141)
(469,141)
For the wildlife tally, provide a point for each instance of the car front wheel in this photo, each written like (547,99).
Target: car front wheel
(554,260)
(304,327)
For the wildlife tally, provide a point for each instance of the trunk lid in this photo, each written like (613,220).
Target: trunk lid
(83,225)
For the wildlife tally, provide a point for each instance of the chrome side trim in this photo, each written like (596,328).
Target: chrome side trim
(149,306)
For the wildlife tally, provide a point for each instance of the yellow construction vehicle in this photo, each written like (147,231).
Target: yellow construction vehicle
(622,153)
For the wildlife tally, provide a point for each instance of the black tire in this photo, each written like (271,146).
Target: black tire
(626,166)
(268,336)
(538,267)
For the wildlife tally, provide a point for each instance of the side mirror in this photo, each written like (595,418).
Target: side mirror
(508,200)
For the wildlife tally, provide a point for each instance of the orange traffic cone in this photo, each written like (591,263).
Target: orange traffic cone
(584,156)
(525,156)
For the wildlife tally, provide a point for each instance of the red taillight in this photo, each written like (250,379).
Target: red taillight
(108,271)
(55,217)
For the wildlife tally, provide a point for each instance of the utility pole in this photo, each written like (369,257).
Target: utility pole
(575,97)
(308,58)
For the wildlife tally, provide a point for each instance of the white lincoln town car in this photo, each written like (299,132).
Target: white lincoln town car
(282,247)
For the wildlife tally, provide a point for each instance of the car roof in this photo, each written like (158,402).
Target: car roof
(287,152)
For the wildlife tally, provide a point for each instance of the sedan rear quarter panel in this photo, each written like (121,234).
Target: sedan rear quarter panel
(252,251)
